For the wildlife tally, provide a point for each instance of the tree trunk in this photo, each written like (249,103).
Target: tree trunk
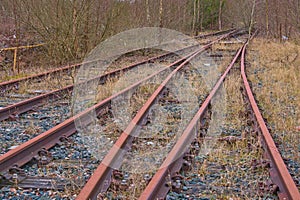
(97,25)
(148,12)
(160,13)
(298,15)
(267,17)
(194,16)
(74,24)
(278,25)
(251,22)
(86,31)
(201,17)
(220,14)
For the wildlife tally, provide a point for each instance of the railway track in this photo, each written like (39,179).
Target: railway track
(59,153)
(62,129)
(102,176)
(51,82)
(283,185)
(168,176)
(10,108)
(11,84)
(279,172)
(29,118)
(35,119)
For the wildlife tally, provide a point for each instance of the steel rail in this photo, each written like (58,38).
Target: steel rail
(213,34)
(280,175)
(99,181)
(9,83)
(24,152)
(157,188)
(26,105)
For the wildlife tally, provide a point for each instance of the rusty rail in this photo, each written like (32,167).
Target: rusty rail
(100,180)
(157,188)
(24,152)
(27,104)
(213,34)
(9,83)
(279,172)
(24,106)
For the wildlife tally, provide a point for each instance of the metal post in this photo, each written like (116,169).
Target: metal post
(15,60)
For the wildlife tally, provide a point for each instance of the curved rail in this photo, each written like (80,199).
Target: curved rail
(280,176)
(157,187)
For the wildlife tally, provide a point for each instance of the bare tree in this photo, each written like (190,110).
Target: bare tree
(194,17)
(251,21)
(160,13)
(267,17)
(148,12)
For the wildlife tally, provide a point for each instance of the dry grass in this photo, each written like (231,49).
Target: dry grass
(237,156)
(155,136)
(223,46)
(106,90)
(73,173)
(275,74)
(35,65)
(49,83)
(235,103)
(231,161)
(133,57)
(237,174)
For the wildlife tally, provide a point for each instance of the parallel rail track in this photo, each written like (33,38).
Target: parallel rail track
(26,105)
(157,188)
(10,83)
(23,153)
